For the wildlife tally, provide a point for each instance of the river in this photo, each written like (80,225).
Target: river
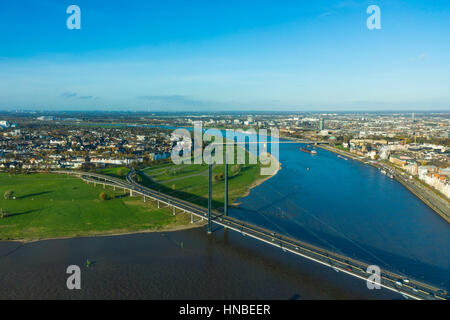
(351,208)
(341,205)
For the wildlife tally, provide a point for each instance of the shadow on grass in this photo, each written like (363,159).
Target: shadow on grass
(33,194)
(9,215)
(192,198)
(201,201)
(121,196)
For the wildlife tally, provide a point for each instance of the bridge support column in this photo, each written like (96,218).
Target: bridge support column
(192,218)
(114,188)
(104,186)
(174,211)
(131,193)
(209,199)
(158,204)
(225,210)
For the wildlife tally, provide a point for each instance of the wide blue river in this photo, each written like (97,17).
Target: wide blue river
(351,208)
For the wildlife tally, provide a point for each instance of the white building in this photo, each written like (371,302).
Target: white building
(5,124)
(429,175)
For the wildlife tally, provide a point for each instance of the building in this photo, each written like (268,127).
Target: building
(397,161)
(438,182)
(412,168)
(46,118)
(321,124)
(424,170)
(5,124)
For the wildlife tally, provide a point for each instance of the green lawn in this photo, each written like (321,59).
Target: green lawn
(117,172)
(51,205)
(190,181)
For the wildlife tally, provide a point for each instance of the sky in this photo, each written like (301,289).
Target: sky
(145,55)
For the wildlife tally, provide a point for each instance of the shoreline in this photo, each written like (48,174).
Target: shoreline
(112,234)
(259,181)
(416,193)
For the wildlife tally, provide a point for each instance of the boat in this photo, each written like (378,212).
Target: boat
(339,156)
(307,150)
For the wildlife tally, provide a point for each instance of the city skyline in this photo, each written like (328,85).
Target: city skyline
(203,56)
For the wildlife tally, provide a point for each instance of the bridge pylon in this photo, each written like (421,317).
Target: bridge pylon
(209,198)
(225,209)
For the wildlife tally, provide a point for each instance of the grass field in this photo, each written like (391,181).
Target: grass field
(190,181)
(117,172)
(51,205)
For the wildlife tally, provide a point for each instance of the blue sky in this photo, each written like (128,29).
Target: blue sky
(225,55)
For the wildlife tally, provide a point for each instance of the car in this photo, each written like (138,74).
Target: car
(349,268)
(442,292)
(399,282)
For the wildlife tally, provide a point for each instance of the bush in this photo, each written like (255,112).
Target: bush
(9,194)
(218,177)
(103,196)
(236,169)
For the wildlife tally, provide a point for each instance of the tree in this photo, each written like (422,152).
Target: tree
(138,178)
(9,194)
(236,169)
(103,196)
(219,177)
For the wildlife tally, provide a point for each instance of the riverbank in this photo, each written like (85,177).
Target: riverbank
(114,233)
(427,196)
(258,182)
(49,206)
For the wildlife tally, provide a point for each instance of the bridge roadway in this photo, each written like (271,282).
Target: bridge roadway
(407,287)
